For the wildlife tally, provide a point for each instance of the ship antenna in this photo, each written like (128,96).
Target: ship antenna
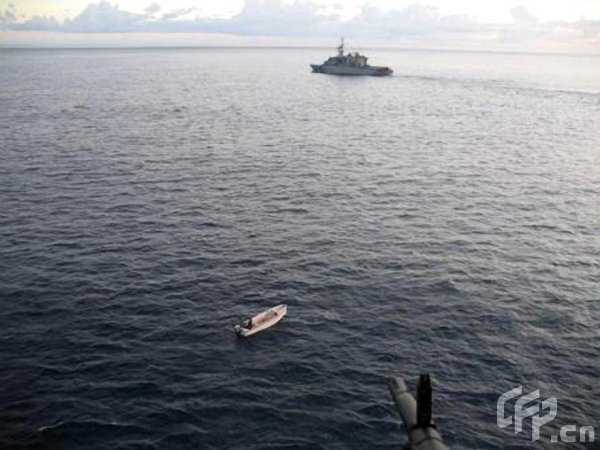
(341,48)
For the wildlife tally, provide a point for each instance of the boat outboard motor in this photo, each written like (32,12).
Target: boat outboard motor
(416,415)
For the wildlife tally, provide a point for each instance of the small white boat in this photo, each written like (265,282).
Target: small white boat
(261,321)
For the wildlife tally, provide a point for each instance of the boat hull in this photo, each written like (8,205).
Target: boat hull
(262,321)
(374,71)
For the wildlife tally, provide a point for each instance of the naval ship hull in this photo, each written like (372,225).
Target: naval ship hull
(331,69)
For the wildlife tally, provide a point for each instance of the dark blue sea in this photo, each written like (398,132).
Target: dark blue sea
(443,220)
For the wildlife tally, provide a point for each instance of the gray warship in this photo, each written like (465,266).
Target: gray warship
(350,64)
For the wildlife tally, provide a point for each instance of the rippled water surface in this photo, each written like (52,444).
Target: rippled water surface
(445,219)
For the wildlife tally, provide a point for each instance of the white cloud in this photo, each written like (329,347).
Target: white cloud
(104,17)
(152,9)
(8,17)
(414,20)
(177,13)
(415,24)
(39,23)
(275,18)
(522,16)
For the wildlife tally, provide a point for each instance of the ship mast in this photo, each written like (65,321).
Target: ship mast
(341,48)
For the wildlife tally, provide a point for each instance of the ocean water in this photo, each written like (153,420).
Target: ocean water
(443,220)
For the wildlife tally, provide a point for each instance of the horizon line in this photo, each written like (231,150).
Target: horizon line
(567,52)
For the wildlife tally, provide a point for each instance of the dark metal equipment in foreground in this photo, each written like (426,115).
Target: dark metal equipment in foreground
(416,415)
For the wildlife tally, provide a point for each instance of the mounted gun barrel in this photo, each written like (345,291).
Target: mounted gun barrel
(416,415)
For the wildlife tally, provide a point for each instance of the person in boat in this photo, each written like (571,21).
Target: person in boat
(249,324)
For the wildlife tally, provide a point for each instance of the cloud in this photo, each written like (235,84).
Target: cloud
(416,24)
(178,13)
(8,17)
(104,17)
(591,29)
(152,9)
(414,20)
(522,16)
(39,23)
(275,18)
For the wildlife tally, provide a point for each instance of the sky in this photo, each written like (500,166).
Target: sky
(545,25)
